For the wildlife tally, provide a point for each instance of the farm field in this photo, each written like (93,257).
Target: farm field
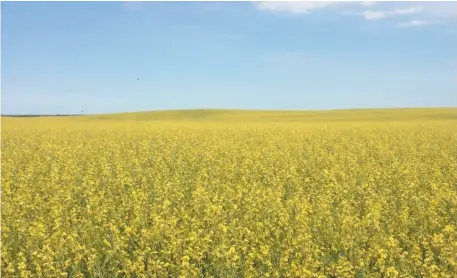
(220,193)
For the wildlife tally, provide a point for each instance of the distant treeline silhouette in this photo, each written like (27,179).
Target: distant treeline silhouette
(31,115)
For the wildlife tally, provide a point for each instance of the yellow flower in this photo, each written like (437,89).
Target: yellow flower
(346,193)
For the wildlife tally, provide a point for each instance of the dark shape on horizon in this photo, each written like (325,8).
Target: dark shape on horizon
(137,79)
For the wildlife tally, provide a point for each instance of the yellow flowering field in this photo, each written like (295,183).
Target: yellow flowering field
(355,194)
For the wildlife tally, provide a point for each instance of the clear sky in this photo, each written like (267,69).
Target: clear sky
(65,57)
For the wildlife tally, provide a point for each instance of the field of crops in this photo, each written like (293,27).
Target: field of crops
(335,194)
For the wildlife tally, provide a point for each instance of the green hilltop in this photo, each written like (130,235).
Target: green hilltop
(253,116)
(225,115)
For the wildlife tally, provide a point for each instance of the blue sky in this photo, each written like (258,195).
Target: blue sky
(65,57)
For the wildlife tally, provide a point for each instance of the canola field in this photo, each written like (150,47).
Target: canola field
(231,194)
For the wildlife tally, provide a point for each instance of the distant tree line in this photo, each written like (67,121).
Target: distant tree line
(31,115)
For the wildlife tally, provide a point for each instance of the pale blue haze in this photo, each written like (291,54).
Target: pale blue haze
(65,57)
